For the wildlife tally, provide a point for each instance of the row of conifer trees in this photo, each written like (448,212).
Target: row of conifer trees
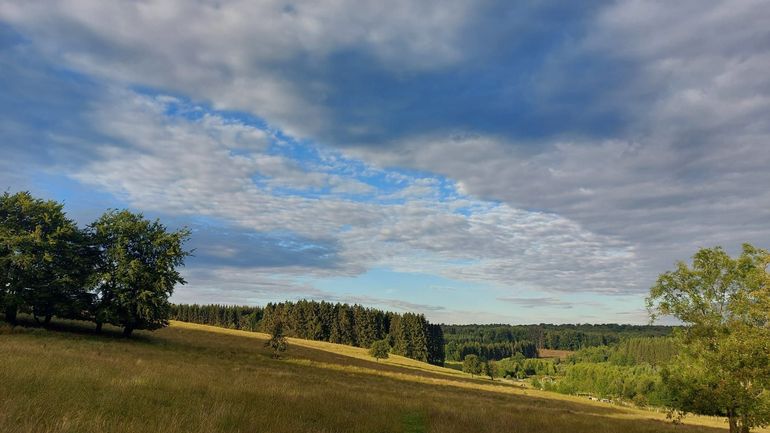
(409,334)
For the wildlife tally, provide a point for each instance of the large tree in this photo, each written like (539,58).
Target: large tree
(43,258)
(136,271)
(723,368)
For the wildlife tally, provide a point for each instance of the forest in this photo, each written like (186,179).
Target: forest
(408,334)
(548,336)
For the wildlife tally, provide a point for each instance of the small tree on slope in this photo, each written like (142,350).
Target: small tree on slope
(380,349)
(472,364)
(277,342)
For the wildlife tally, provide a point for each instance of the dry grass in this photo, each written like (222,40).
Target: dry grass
(193,378)
(554,353)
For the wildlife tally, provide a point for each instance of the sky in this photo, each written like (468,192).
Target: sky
(475,161)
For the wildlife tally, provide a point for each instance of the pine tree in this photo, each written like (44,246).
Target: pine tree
(277,342)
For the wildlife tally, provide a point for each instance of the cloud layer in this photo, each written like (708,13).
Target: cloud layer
(536,148)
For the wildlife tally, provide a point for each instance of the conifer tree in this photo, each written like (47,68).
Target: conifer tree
(277,342)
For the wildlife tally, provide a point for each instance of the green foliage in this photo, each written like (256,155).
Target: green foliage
(121,270)
(490,369)
(136,271)
(641,350)
(546,336)
(630,351)
(472,364)
(277,342)
(520,367)
(455,351)
(380,349)
(409,334)
(613,381)
(723,368)
(44,259)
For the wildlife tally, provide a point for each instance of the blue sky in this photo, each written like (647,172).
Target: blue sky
(475,161)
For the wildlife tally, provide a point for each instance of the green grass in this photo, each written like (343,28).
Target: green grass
(194,378)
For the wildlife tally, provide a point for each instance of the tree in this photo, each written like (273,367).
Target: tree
(136,271)
(723,368)
(277,342)
(380,349)
(472,364)
(43,264)
(490,369)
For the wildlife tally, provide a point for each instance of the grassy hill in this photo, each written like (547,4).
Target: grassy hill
(197,378)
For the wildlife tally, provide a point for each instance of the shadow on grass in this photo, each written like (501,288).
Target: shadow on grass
(26,322)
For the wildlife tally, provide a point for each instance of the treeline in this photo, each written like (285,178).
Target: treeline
(455,351)
(409,334)
(519,367)
(640,384)
(628,370)
(547,336)
(631,351)
(121,269)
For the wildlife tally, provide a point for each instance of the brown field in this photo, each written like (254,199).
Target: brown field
(553,353)
(195,378)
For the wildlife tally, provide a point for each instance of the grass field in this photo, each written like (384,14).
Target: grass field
(195,378)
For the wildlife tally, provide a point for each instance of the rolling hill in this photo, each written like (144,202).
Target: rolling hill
(197,378)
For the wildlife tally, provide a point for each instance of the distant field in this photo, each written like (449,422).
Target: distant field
(552,353)
(196,378)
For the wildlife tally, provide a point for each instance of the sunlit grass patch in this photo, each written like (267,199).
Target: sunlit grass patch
(193,378)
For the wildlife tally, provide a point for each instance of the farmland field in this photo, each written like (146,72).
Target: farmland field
(196,378)
(553,353)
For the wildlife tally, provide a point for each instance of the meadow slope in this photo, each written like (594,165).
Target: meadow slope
(196,378)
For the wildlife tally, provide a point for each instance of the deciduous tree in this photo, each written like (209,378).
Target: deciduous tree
(380,349)
(136,271)
(472,364)
(724,367)
(43,261)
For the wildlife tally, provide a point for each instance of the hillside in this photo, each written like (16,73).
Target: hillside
(197,378)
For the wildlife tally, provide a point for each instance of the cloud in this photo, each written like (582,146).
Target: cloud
(267,57)
(465,140)
(161,161)
(544,302)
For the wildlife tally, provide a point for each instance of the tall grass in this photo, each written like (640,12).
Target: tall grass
(192,378)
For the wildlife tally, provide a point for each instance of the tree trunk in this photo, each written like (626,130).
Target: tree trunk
(127,331)
(98,327)
(47,319)
(10,314)
(733,421)
(744,423)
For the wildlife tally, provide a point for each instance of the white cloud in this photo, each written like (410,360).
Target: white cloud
(239,53)
(179,166)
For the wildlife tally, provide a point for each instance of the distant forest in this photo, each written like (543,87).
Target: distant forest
(495,342)
(409,334)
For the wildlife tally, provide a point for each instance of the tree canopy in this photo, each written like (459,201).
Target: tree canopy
(137,270)
(723,368)
(472,364)
(120,270)
(380,349)
(277,342)
(43,258)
